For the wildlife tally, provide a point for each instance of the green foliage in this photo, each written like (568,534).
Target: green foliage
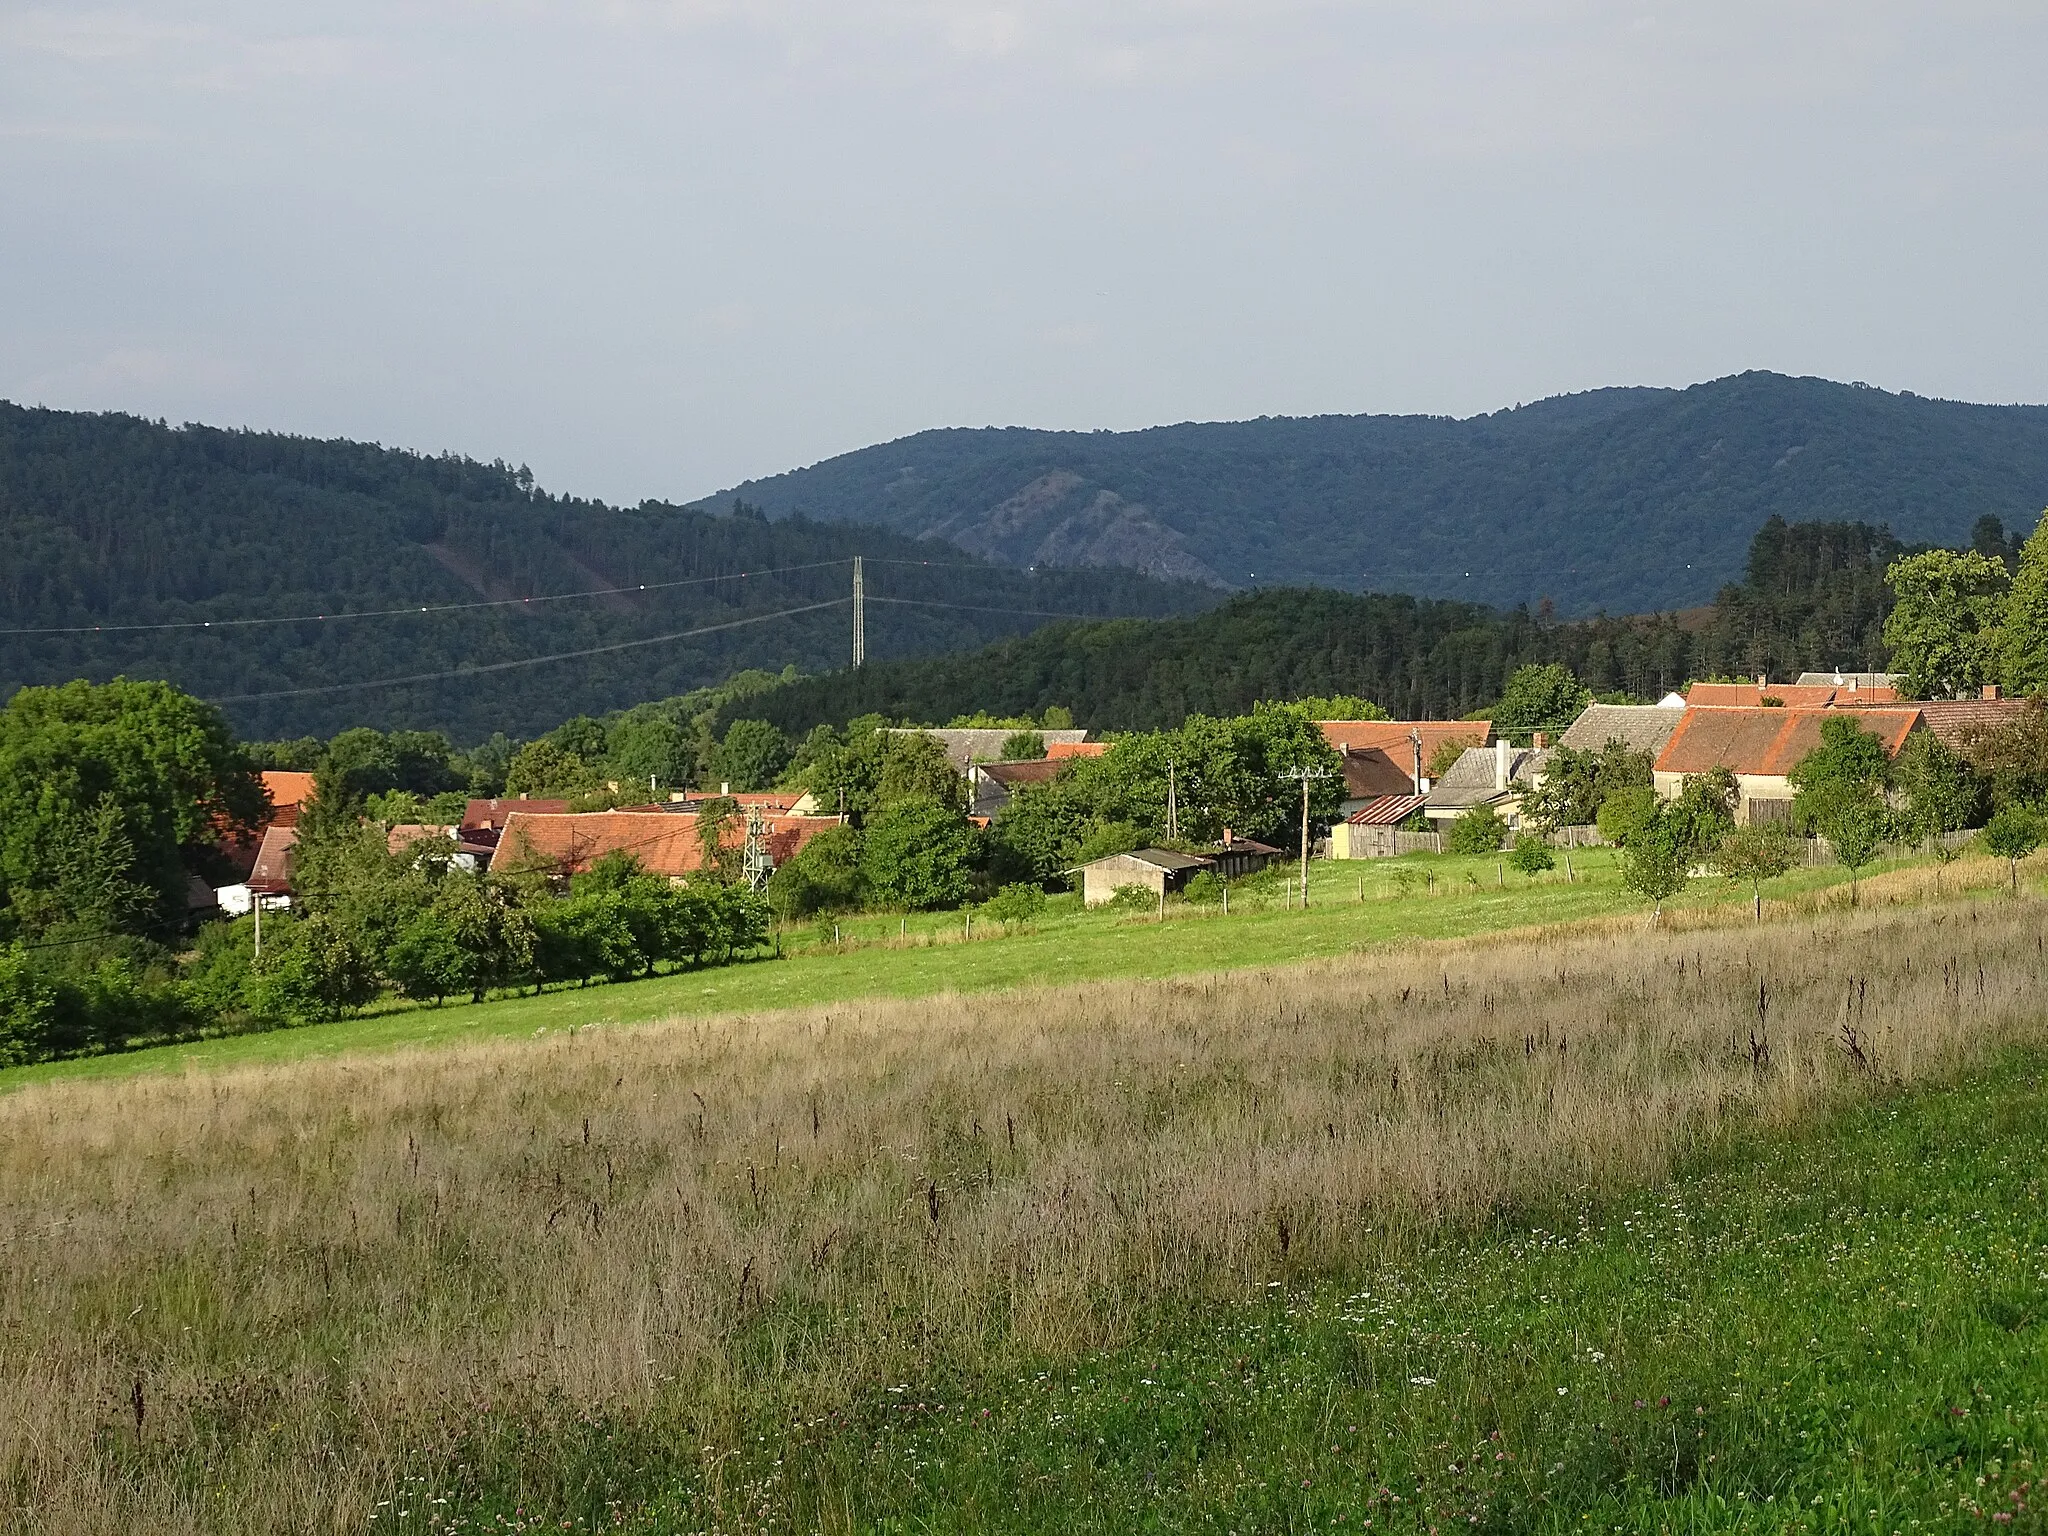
(752,755)
(1204,888)
(1854,823)
(1015,904)
(1625,812)
(1479,830)
(110,797)
(824,876)
(1704,812)
(1539,698)
(312,969)
(1847,755)
(2012,834)
(1753,855)
(1531,854)
(1656,862)
(918,854)
(1944,626)
(545,770)
(1133,898)
(1941,790)
(1106,839)
(2023,642)
(915,767)
(1577,783)
(1023,747)
(1339,706)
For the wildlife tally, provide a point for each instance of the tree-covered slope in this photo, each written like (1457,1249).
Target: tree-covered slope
(1813,597)
(109,520)
(1627,500)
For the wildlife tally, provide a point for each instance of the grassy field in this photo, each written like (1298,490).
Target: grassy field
(1705,1229)
(1353,907)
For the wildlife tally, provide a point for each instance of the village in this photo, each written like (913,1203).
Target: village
(1407,787)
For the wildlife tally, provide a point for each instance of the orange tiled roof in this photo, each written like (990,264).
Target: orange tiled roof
(1959,723)
(272,873)
(665,842)
(1060,751)
(1392,736)
(1767,741)
(492,813)
(1791,695)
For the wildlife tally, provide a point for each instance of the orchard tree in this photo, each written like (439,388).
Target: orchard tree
(2013,834)
(1655,863)
(1755,854)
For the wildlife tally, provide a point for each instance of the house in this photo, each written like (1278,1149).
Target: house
(990,785)
(665,842)
(466,853)
(289,793)
(966,746)
(1638,727)
(270,875)
(1236,857)
(1761,746)
(1392,757)
(1061,751)
(1495,776)
(1374,830)
(1158,870)
(492,814)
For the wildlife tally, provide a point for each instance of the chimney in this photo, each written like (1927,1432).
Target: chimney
(1763,680)
(1852,685)
(1539,740)
(1226,837)
(1501,750)
(725,787)
(1991,690)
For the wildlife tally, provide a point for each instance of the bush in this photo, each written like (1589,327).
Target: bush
(918,854)
(1135,898)
(824,876)
(1108,838)
(1626,812)
(312,970)
(1532,855)
(1479,830)
(1205,888)
(30,1021)
(1014,904)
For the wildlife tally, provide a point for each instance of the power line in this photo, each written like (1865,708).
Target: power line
(529,661)
(1032,613)
(388,613)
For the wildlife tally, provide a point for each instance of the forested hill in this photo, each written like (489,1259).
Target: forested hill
(109,520)
(1812,598)
(1622,500)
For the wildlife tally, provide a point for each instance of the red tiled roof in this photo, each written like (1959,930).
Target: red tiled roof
(1060,751)
(1393,736)
(492,813)
(272,874)
(287,788)
(1767,741)
(1791,695)
(665,842)
(1372,771)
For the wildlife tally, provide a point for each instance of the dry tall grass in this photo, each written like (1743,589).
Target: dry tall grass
(256,1300)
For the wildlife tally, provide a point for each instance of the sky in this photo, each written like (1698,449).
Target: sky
(654,247)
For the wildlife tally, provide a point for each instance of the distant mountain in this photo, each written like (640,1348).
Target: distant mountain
(1622,500)
(108,520)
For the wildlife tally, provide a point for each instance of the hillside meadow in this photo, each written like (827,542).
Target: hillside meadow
(918,1263)
(1354,907)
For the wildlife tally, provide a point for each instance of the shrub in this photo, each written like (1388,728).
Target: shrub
(2012,835)
(1205,888)
(1625,812)
(1532,855)
(824,876)
(1135,898)
(1479,830)
(918,854)
(1015,904)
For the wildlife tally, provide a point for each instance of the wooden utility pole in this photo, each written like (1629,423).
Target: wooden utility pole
(1307,777)
(1172,804)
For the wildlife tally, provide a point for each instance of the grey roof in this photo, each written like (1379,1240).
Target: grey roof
(1639,727)
(1159,858)
(1469,781)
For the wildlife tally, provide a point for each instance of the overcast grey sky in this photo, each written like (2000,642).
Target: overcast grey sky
(652,247)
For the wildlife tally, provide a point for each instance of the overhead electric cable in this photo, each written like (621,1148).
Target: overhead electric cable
(529,661)
(389,613)
(1032,613)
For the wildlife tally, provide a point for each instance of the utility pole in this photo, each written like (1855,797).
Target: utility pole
(755,861)
(1172,804)
(256,900)
(1307,777)
(860,615)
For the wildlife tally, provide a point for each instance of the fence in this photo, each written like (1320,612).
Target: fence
(1577,837)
